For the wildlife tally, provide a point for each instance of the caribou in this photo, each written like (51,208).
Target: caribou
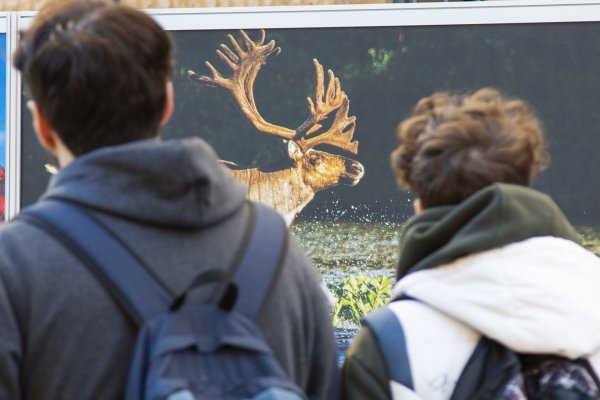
(289,184)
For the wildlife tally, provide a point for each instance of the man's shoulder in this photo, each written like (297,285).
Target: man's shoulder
(17,233)
(25,248)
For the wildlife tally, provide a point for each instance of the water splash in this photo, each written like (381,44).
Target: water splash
(335,210)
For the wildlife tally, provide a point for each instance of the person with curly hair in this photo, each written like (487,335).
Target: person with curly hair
(485,258)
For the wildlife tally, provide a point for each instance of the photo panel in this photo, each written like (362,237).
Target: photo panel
(351,232)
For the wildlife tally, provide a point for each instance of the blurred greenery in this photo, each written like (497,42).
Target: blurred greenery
(590,239)
(357,295)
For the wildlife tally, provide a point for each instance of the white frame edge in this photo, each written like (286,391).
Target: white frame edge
(11,176)
(381,15)
(365,15)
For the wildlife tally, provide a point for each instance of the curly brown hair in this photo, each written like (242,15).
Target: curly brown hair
(454,145)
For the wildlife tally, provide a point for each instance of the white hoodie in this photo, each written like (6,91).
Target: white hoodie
(540,295)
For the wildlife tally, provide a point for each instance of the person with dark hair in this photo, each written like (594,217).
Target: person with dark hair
(486,261)
(99,77)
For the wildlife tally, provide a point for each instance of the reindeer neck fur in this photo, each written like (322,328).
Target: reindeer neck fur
(279,184)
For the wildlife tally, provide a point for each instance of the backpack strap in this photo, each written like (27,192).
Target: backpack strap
(488,370)
(260,263)
(132,285)
(390,337)
(249,278)
(106,257)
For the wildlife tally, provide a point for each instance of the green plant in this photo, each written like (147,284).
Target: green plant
(590,239)
(357,295)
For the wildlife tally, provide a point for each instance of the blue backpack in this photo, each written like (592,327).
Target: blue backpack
(185,350)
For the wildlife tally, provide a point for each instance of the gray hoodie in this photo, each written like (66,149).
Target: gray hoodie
(61,334)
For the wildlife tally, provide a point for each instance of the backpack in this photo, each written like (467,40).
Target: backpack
(185,350)
(493,372)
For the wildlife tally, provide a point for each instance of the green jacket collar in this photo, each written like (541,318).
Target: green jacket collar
(493,217)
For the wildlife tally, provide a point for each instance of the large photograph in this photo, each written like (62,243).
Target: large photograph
(306,119)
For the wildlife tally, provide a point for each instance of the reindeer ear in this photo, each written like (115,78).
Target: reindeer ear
(294,151)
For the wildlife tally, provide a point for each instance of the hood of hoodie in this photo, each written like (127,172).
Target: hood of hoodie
(495,216)
(173,184)
(537,293)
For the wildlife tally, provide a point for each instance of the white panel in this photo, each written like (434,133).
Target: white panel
(13,128)
(3,25)
(497,12)
(3,22)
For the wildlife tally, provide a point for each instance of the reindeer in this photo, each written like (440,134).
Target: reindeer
(289,184)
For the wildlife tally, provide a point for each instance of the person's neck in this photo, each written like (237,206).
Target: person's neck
(64,156)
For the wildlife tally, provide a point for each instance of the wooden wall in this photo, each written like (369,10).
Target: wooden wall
(32,5)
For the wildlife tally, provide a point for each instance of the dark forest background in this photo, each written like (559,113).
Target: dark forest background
(385,71)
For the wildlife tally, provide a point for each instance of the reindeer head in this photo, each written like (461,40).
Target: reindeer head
(319,169)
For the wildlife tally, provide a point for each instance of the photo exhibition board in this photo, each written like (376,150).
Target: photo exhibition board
(3,119)
(4,82)
(386,57)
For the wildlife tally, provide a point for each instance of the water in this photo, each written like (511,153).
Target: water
(339,249)
(343,337)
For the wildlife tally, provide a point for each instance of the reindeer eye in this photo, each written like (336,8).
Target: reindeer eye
(313,160)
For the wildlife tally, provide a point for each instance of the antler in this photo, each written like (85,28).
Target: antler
(339,134)
(325,102)
(245,65)
(342,129)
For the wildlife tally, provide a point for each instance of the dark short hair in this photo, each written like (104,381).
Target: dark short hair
(97,71)
(454,145)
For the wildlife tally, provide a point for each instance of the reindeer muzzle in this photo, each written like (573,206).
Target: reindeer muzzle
(354,173)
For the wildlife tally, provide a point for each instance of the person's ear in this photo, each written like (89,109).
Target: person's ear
(42,128)
(418,206)
(169,103)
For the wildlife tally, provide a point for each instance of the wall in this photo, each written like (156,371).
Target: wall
(29,5)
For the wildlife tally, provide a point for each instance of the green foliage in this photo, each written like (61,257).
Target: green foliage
(380,59)
(357,295)
(590,239)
